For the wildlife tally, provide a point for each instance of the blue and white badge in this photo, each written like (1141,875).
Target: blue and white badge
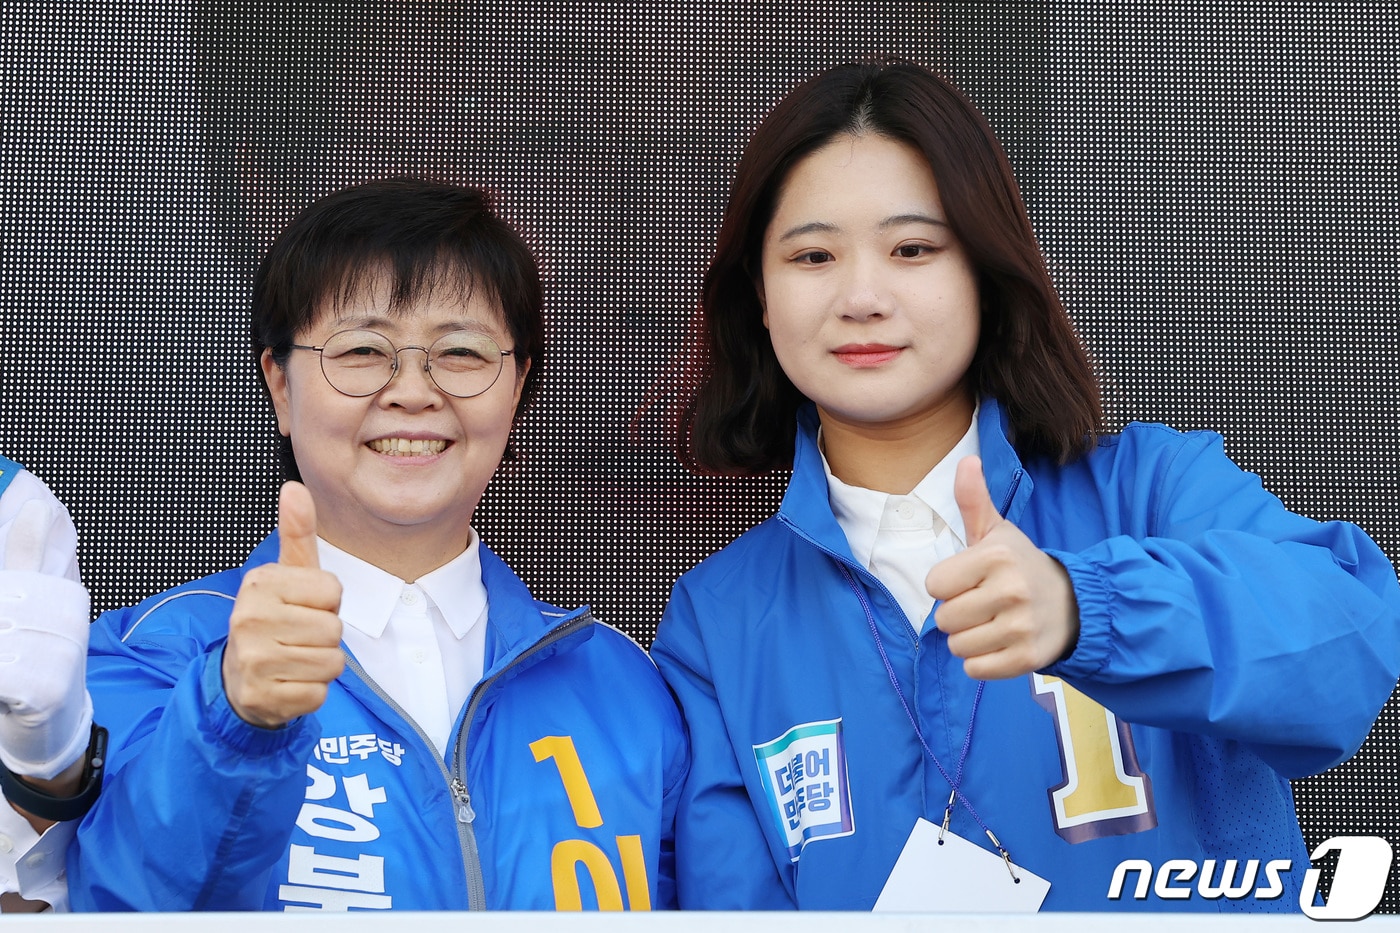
(804,775)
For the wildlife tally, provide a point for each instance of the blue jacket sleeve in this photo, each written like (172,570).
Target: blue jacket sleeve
(197,805)
(1236,618)
(722,859)
(677,769)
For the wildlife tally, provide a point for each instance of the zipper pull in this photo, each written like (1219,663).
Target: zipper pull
(465,813)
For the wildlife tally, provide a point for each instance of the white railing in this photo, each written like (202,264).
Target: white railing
(406,922)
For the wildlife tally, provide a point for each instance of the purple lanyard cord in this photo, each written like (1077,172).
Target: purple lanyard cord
(954,782)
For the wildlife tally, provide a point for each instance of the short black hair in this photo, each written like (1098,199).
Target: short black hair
(422,235)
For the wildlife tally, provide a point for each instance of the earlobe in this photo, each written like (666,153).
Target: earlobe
(276,378)
(762,300)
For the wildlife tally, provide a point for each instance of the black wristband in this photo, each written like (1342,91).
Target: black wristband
(46,806)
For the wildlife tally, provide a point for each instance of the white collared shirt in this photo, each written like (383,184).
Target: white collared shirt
(33,864)
(900,538)
(423,643)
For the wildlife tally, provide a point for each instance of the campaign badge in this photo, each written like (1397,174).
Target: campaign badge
(804,777)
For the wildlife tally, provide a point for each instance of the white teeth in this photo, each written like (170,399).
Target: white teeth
(403,447)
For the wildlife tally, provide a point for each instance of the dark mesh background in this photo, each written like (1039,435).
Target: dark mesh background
(1215,185)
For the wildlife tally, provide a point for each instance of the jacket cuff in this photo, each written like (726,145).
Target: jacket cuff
(229,729)
(1094,595)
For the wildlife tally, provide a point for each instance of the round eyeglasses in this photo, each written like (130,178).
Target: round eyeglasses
(361,362)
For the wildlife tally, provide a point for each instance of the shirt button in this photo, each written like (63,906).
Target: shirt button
(35,859)
(905,510)
(409,597)
(420,656)
(6,845)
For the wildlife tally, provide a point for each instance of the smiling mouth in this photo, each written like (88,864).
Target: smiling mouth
(403,447)
(861,357)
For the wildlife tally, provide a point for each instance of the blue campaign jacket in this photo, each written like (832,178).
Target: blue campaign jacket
(1236,643)
(560,791)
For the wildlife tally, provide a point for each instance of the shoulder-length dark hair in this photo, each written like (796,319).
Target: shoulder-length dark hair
(737,414)
(422,235)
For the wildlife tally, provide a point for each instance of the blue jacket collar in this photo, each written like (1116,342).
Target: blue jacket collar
(517,621)
(807,507)
(1007,479)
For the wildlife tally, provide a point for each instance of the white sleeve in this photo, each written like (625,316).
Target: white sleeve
(31,864)
(16,839)
(43,871)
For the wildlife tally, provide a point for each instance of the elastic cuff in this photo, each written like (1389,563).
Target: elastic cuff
(231,730)
(1094,595)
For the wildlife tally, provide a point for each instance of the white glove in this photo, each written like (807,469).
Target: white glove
(45,711)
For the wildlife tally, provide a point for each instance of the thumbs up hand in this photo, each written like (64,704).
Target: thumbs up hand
(45,712)
(284,635)
(1008,608)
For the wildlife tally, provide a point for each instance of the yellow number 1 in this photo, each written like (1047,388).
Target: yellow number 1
(1104,792)
(571,853)
(561,749)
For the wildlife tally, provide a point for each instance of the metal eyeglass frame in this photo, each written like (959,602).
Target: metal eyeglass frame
(394,370)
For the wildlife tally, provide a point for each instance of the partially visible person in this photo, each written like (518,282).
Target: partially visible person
(373,712)
(987,655)
(45,714)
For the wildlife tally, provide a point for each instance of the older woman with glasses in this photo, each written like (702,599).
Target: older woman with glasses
(373,712)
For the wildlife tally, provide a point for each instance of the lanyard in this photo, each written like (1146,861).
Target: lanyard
(956,780)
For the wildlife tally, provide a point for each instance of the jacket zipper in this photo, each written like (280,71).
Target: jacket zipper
(456,778)
(466,814)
